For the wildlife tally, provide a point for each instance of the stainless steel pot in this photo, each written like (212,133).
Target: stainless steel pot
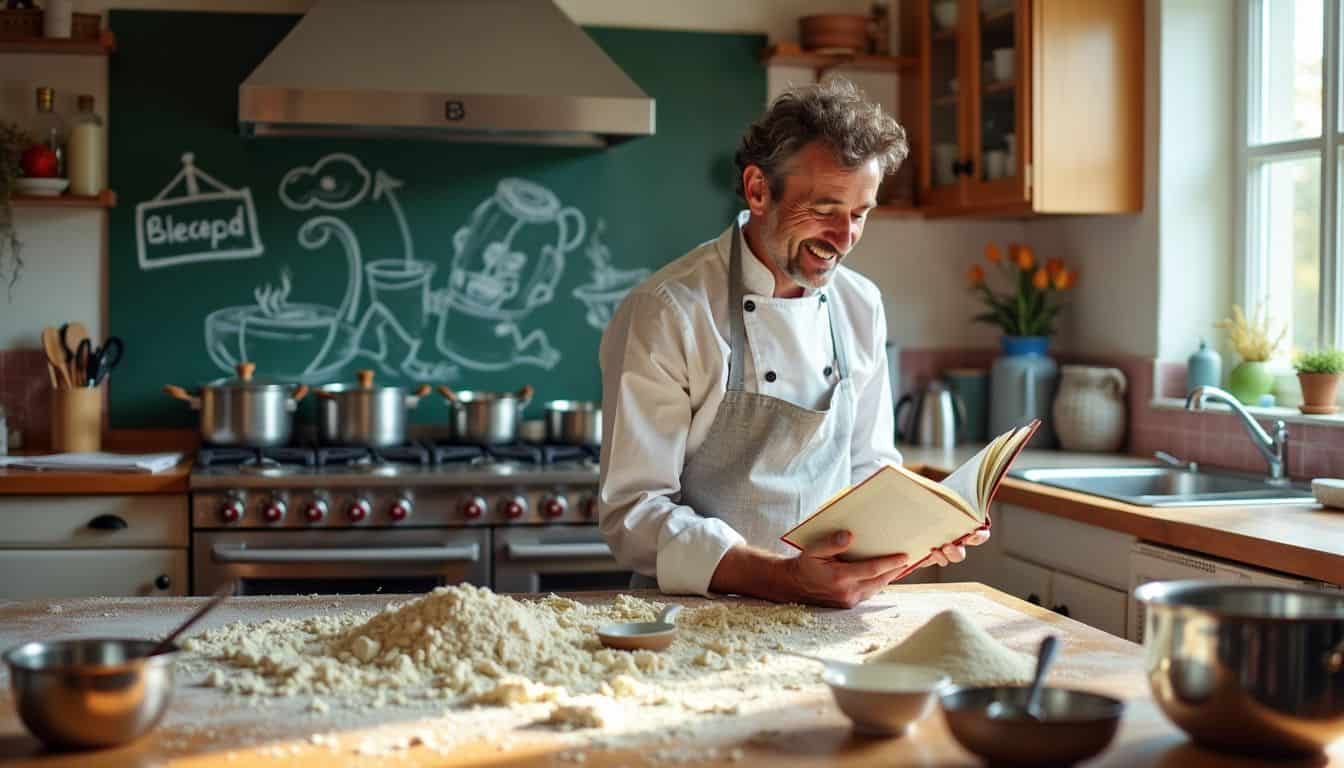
(573,422)
(244,411)
(1247,668)
(485,418)
(362,414)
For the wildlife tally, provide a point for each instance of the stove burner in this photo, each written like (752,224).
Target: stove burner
(255,458)
(451,453)
(357,456)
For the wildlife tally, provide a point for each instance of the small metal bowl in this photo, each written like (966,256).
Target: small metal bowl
(90,692)
(1074,725)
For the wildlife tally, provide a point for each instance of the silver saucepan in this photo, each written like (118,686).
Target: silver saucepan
(573,422)
(485,418)
(244,411)
(362,414)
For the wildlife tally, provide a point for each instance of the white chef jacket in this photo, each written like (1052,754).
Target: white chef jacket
(664,359)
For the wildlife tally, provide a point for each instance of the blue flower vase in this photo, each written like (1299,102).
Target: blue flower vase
(1022,386)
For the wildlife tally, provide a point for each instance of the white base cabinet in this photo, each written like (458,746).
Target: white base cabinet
(37,574)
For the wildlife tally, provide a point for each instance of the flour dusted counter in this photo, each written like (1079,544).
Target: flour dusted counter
(736,706)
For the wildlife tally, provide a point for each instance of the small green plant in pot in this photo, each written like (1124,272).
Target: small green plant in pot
(1255,342)
(1318,373)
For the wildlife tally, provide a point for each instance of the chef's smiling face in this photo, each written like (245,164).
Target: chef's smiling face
(804,233)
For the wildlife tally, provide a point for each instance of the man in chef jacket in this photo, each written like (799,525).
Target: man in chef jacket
(746,382)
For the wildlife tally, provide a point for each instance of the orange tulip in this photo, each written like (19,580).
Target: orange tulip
(975,275)
(993,254)
(1064,279)
(1054,266)
(1024,259)
(1041,280)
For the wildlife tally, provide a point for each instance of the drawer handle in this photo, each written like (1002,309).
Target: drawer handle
(108,523)
(469,553)
(1034,599)
(1062,610)
(571,551)
(162,582)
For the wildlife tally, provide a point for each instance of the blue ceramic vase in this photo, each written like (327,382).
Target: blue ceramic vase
(1022,387)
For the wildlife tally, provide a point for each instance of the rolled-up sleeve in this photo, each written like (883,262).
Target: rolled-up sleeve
(646,417)
(874,439)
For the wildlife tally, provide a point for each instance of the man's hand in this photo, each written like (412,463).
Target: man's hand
(819,575)
(955,553)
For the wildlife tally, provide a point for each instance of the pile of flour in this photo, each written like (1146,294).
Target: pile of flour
(960,649)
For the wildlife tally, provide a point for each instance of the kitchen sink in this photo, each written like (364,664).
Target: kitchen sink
(1169,486)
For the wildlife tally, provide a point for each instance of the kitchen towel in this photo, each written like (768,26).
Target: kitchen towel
(94,462)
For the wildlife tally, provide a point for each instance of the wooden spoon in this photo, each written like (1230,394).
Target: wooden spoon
(71,335)
(51,343)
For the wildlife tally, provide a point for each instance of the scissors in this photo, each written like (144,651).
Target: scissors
(98,362)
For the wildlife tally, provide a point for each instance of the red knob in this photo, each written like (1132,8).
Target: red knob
(359,510)
(400,510)
(590,508)
(473,508)
(315,511)
(514,508)
(274,512)
(554,507)
(232,512)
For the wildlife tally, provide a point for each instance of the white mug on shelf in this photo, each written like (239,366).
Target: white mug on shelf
(1004,60)
(944,157)
(57,18)
(996,164)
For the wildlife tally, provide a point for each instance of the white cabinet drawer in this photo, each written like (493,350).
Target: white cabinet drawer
(34,574)
(134,520)
(1092,604)
(1089,551)
(1022,580)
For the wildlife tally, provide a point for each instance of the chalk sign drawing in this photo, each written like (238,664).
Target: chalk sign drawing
(608,285)
(196,218)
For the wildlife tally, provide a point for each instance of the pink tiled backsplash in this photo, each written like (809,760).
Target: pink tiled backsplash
(1216,439)
(25,391)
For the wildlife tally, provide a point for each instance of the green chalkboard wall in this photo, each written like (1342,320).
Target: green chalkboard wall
(481,266)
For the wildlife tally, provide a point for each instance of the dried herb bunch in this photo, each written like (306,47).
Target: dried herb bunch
(13,141)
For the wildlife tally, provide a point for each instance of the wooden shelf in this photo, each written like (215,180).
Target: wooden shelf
(105,44)
(997,16)
(940,35)
(1001,87)
(108,199)
(776,55)
(950,100)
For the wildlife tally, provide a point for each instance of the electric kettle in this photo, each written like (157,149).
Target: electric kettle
(935,415)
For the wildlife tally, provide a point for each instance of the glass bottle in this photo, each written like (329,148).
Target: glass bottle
(50,126)
(86,150)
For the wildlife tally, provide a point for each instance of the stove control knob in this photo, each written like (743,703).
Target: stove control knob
(400,510)
(275,511)
(359,510)
(515,507)
(555,506)
(590,508)
(232,511)
(473,508)
(316,511)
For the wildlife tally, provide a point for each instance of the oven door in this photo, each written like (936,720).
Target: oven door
(555,559)
(345,561)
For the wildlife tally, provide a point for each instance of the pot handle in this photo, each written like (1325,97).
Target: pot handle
(245,370)
(181,394)
(365,378)
(525,395)
(448,394)
(1334,660)
(413,399)
(300,392)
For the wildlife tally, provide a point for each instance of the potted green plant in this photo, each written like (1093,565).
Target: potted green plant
(1318,373)
(13,141)
(1255,343)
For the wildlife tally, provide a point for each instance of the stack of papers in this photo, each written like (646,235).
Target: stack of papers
(95,462)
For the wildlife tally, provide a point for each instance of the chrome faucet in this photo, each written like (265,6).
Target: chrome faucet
(1274,449)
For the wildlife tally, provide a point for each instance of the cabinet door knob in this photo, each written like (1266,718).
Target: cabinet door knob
(162,581)
(107,523)
(1034,599)
(1061,609)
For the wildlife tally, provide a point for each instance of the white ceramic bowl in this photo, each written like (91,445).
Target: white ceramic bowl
(945,13)
(883,699)
(44,187)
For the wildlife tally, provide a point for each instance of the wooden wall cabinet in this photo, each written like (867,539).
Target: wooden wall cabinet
(1025,107)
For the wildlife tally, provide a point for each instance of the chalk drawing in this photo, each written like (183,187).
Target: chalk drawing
(334,183)
(195,218)
(609,285)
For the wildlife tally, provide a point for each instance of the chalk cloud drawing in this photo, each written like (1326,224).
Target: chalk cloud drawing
(608,285)
(334,183)
(196,218)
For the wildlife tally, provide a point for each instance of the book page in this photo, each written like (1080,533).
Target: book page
(1011,446)
(965,480)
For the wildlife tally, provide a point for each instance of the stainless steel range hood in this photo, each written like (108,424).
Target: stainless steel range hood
(517,71)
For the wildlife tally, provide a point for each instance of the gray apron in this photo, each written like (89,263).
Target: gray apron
(766,463)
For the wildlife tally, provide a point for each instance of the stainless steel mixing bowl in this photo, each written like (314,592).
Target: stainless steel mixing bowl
(93,692)
(1247,668)
(1073,725)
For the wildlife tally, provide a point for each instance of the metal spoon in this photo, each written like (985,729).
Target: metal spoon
(166,643)
(1010,710)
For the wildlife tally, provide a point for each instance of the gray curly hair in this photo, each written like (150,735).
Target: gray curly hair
(836,112)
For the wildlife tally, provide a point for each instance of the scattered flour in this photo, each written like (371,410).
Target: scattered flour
(951,643)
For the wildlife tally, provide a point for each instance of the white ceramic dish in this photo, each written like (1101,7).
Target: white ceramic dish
(53,187)
(1329,491)
(883,699)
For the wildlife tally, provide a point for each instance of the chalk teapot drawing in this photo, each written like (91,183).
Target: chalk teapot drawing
(506,262)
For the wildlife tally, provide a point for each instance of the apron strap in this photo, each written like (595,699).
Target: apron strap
(837,345)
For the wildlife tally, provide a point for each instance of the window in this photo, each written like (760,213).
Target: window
(1291,166)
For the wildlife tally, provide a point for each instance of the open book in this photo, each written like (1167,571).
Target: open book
(895,510)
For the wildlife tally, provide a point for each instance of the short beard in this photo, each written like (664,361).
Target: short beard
(790,262)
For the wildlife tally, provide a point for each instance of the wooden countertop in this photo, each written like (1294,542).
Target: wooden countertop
(1305,540)
(205,728)
(17,482)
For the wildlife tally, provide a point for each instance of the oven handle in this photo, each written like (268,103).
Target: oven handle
(557,551)
(470,553)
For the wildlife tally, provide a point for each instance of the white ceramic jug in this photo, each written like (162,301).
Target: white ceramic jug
(1089,410)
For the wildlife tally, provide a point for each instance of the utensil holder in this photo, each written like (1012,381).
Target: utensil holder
(77,419)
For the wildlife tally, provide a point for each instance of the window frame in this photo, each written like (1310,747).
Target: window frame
(1251,265)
